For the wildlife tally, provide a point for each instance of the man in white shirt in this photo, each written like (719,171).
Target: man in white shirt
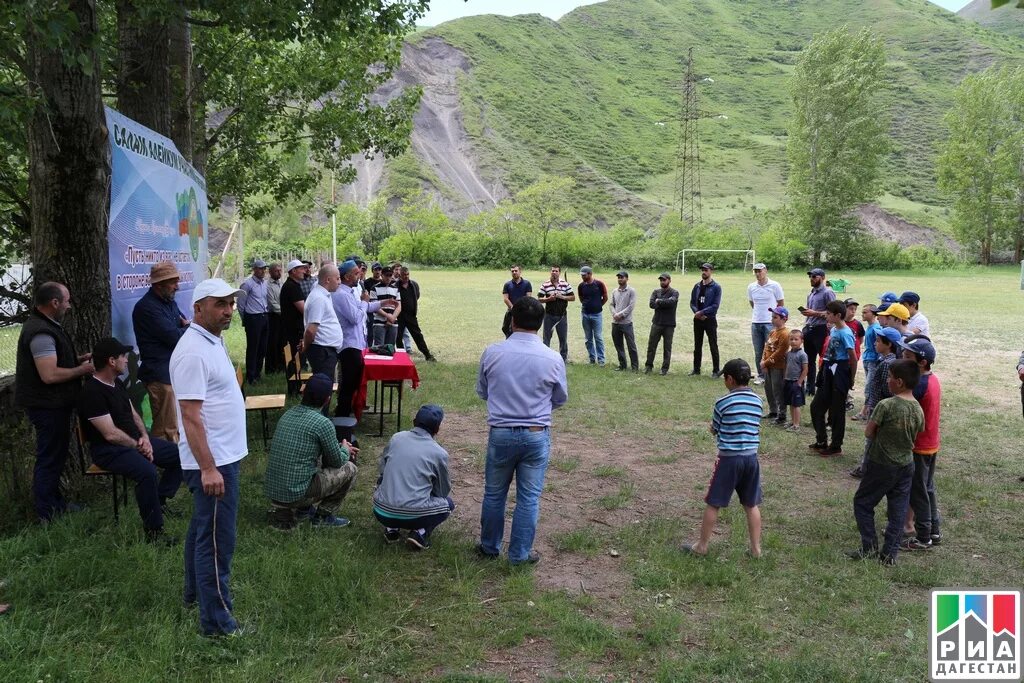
(322,340)
(211,421)
(763,295)
(918,324)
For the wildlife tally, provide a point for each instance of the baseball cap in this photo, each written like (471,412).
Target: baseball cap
(387,270)
(665,276)
(893,335)
(910,298)
(781,310)
(622,273)
(213,287)
(376,265)
(165,270)
(306,262)
(259,263)
(816,271)
(319,386)
(293,264)
(429,417)
(888,298)
(851,302)
(707,265)
(108,348)
(760,266)
(586,270)
(347,266)
(897,311)
(920,346)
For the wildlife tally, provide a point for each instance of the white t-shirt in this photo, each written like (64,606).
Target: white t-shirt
(320,310)
(764,297)
(920,323)
(202,371)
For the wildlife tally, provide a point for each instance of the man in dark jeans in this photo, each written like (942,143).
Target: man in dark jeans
(409,294)
(704,301)
(663,325)
(47,381)
(253,307)
(814,329)
(514,290)
(556,294)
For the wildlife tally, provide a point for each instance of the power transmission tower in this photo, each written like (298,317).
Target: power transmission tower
(687,187)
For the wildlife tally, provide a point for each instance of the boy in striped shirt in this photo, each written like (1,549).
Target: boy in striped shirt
(736,424)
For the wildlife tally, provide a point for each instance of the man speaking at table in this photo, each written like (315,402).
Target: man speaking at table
(351,311)
(522,381)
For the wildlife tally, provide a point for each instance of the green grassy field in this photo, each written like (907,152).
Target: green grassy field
(631,457)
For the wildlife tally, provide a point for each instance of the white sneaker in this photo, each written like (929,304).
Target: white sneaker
(758,380)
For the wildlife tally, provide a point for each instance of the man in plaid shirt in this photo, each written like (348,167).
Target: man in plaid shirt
(308,472)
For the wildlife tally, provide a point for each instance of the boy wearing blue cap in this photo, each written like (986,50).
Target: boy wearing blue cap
(924,506)
(835,380)
(773,365)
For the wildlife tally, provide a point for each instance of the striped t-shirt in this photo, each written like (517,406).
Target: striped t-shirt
(736,422)
(387,294)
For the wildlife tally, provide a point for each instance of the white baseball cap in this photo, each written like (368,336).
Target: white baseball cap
(213,287)
(294,263)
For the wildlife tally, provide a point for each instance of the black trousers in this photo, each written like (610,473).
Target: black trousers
(413,325)
(351,377)
(256,329)
(922,498)
(830,399)
(659,332)
(622,335)
(506,324)
(707,326)
(891,482)
(275,345)
(814,339)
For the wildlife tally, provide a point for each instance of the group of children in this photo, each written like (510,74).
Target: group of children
(901,411)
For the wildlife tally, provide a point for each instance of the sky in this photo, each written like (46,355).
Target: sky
(446,10)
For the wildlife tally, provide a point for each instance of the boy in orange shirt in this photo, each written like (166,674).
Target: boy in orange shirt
(773,365)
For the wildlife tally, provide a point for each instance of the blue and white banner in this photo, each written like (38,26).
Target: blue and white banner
(157,213)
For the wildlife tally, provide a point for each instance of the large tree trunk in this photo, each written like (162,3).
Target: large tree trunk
(69,172)
(144,73)
(183,110)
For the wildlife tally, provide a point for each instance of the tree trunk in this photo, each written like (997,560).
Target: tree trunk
(144,74)
(69,172)
(182,108)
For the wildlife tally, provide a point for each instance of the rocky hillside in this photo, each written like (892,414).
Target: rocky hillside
(1007,19)
(595,96)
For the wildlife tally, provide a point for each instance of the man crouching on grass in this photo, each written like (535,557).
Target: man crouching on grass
(736,423)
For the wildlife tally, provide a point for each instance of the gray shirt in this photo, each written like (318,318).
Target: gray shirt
(623,302)
(817,300)
(795,362)
(414,477)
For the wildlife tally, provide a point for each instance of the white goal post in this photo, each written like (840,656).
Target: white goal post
(750,256)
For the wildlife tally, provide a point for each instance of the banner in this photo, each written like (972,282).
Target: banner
(157,213)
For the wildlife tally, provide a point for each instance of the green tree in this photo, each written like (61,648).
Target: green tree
(837,136)
(979,166)
(545,205)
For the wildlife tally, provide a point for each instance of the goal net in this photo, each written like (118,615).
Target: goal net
(697,256)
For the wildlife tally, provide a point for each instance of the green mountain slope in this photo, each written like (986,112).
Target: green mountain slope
(584,96)
(1007,19)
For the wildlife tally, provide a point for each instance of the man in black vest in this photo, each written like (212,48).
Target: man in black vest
(47,381)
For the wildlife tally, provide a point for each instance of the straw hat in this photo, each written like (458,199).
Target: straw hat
(165,270)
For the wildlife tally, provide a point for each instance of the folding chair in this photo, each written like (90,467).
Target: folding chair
(293,369)
(94,470)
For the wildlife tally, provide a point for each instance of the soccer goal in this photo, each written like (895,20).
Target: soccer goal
(749,257)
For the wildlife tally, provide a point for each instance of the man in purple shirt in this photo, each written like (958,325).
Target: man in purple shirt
(352,312)
(522,381)
(253,307)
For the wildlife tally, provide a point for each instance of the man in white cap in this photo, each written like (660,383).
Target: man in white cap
(158,324)
(211,418)
(252,306)
(323,339)
(293,303)
(763,295)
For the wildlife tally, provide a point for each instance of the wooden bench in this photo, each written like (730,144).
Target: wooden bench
(94,470)
(262,403)
(293,370)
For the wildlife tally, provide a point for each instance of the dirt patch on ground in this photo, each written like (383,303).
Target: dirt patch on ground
(886,226)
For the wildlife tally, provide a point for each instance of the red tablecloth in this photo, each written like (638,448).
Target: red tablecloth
(398,367)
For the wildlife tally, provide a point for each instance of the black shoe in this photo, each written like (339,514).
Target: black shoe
(392,536)
(716,374)
(664,372)
(857,472)
(158,537)
(936,539)
(647,371)
(817,446)
(694,372)
(431,359)
(831,452)
(887,560)
(770,416)
(862,554)
(417,541)
(483,554)
(916,544)
(532,558)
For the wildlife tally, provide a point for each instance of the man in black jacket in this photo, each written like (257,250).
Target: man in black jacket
(704,301)
(663,325)
(409,294)
(47,381)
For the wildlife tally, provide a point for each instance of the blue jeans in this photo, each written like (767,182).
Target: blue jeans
(209,546)
(759,335)
(53,436)
(594,335)
(520,452)
(870,367)
(149,492)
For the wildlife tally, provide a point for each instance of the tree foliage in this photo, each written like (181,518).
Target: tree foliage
(981,166)
(837,136)
(545,205)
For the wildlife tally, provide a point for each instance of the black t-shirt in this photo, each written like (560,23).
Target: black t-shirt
(291,317)
(97,399)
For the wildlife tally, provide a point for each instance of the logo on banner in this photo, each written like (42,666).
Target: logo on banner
(190,221)
(975,635)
